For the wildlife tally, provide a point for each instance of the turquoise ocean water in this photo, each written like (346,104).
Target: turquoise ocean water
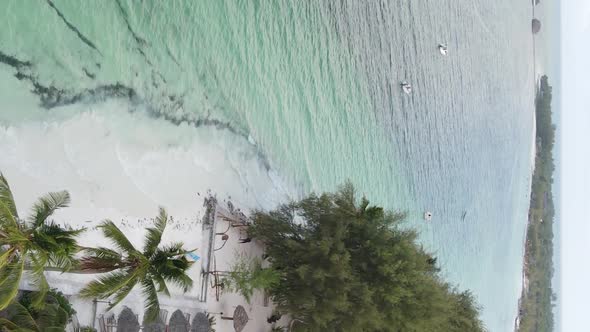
(313,86)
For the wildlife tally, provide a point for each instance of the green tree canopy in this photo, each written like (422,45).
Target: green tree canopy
(247,275)
(21,316)
(537,300)
(345,265)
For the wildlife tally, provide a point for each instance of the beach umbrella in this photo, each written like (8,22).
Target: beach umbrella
(127,321)
(240,318)
(200,323)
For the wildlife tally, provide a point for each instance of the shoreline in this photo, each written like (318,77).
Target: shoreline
(200,231)
(524,278)
(110,175)
(536,85)
(536,299)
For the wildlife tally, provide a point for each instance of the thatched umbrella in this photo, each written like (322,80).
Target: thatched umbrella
(200,323)
(127,321)
(240,318)
(178,322)
(156,326)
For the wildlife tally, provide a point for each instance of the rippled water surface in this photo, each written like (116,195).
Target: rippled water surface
(310,90)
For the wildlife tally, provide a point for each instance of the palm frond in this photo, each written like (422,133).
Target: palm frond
(111,283)
(162,287)
(121,294)
(173,268)
(19,319)
(47,205)
(51,329)
(181,280)
(174,249)
(52,318)
(176,256)
(151,303)
(154,234)
(6,198)
(100,260)
(38,260)
(6,217)
(113,233)
(65,263)
(59,242)
(5,256)
(102,252)
(104,286)
(39,280)
(10,277)
(62,235)
(13,234)
(9,326)
(180,263)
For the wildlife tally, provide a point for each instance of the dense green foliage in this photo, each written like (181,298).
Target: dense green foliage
(32,243)
(54,296)
(22,316)
(154,266)
(87,329)
(35,243)
(247,275)
(347,266)
(536,304)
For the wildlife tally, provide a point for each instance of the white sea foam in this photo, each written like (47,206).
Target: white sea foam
(111,157)
(122,165)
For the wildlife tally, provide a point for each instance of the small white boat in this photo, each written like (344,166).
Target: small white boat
(427,215)
(406,87)
(442,48)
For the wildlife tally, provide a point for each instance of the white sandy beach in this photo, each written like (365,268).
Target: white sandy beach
(122,166)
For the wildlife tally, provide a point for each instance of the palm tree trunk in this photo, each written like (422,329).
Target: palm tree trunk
(73,271)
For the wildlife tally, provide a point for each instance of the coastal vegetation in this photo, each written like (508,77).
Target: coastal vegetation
(36,244)
(32,243)
(23,316)
(332,262)
(150,268)
(346,265)
(537,299)
(247,275)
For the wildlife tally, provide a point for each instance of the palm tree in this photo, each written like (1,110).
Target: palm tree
(50,318)
(32,243)
(20,317)
(128,267)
